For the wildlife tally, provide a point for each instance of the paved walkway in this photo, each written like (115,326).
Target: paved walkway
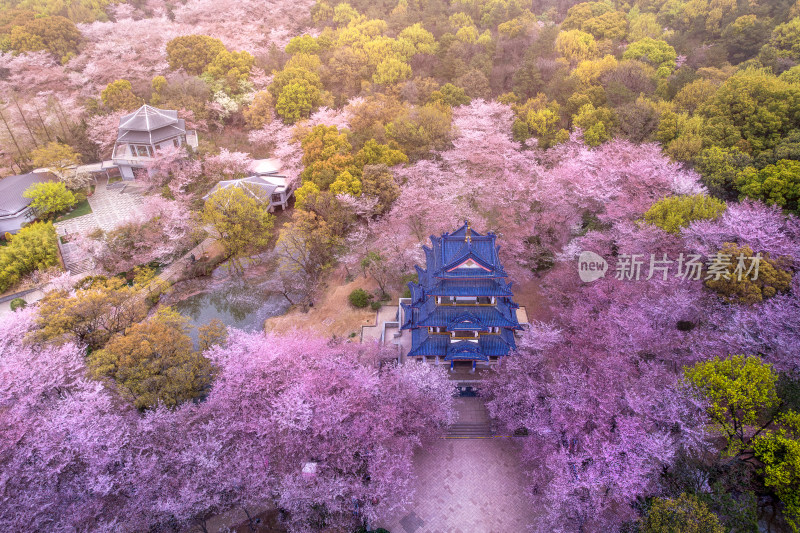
(467,485)
(111,205)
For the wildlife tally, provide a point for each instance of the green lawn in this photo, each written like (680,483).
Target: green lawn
(83,208)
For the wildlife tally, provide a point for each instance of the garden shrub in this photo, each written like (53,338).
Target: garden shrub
(18,303)
(359,298)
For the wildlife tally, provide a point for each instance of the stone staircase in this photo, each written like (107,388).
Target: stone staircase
(472,421)
(469,431)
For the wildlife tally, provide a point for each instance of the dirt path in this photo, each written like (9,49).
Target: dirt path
(332,314)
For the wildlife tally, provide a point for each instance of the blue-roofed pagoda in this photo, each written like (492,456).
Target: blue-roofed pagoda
(461,310)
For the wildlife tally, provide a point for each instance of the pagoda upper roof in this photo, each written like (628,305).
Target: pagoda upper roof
(465,253)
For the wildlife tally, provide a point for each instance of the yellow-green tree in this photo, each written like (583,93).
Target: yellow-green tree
(232,68)
(655,52)
(540,119)
(771,278)
(55,156)
(576,46)
(259,112)
(740,397)
(675,212)
(49,198)
(92,314)
(777,184)
(118,95)
(56,35)
(326,155)
(685,514)
(193,53)
(598,123)
(296,100)
(391,71)
(240,217)
(779,451)
(34,247)
(154,362)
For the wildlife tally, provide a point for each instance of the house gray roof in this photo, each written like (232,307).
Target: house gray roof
(12,187)
(150,137)
(255,186)
(149,124)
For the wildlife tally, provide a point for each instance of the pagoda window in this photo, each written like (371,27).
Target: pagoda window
(465,334)
(485,300)
(466,300)
(176,142)
(142,150)
(121,150)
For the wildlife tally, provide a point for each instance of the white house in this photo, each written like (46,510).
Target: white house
(266,184)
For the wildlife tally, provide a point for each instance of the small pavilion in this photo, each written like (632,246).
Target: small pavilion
(145,131)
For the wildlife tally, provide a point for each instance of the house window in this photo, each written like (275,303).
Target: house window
(176,142)
(121,151)
(276,198)
(142,150)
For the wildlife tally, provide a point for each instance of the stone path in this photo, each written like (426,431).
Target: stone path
(111,205)
(467,485)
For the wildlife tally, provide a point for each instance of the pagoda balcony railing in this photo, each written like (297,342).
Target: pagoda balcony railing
(462,304)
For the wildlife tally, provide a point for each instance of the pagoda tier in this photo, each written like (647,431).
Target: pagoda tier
(461,308)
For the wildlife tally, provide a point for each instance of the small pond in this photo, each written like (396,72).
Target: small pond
(241,302)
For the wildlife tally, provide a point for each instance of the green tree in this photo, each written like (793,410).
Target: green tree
(55,156)
(655,52)
(685,514)
(786,39)
(771,279)
(34,247)
(154,362)
(391,71)
(777,184)
(297,100)
(675,212)
(719,168)
(598,123)
(49,198)
(118,95)
(576,46)
(779,451)
(449,95)
(740,396)
(56,35)
(240,217)
(752,110)
(359,298)
(326,155)
(232,68)
(378,181)
(373,153)
(193,53)
(302,44)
